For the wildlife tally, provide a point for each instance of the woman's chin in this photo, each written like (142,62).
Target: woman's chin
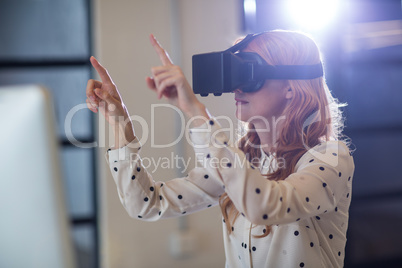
(241,116)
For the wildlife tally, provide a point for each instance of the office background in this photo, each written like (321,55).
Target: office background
(50,42)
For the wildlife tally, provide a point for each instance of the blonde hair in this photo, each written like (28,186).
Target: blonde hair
(312,116)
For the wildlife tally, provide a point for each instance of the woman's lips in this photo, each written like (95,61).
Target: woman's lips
(240,101)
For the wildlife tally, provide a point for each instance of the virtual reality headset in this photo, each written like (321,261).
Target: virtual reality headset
(226,71)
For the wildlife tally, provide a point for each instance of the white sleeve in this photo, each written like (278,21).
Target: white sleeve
(316,186)
(148,200)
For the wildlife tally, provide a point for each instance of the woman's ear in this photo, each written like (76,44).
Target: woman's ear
(289,94)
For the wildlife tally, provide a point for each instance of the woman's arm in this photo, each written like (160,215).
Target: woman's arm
(145,199)
(139,193)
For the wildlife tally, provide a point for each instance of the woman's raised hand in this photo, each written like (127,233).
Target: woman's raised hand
(168,81)
(103,95)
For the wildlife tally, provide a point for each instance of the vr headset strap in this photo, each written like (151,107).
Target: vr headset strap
(291,72)
(285,72)
(242,43)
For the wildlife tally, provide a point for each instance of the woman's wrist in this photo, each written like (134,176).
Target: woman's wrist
(198,114)
(197,109)
(124,134)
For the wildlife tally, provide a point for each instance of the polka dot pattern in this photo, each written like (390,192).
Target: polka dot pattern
(181,197)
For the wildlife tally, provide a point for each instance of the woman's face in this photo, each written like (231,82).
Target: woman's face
(268,103)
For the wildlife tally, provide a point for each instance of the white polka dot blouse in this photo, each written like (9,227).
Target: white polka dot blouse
(308,211)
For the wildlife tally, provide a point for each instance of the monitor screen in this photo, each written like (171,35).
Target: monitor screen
(34,226)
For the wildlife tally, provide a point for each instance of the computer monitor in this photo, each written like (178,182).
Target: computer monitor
(34,226)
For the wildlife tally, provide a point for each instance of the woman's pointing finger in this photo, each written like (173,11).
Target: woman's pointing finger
(163,55)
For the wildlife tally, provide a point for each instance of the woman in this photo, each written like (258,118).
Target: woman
(289,208)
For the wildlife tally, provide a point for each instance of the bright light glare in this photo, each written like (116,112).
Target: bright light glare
(312,14)
(249,7)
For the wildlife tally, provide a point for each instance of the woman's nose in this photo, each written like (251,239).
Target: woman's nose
(238,90)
